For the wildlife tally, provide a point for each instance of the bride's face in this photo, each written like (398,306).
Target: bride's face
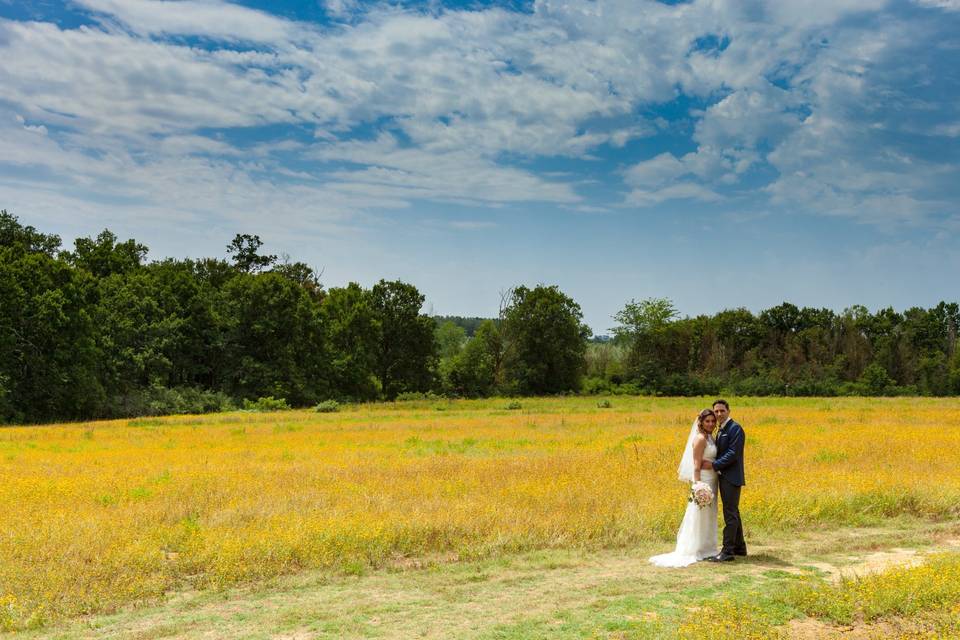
(708,423)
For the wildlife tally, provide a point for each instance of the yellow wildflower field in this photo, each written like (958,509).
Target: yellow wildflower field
(98,514)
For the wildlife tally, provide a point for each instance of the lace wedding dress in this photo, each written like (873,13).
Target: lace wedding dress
(697,538)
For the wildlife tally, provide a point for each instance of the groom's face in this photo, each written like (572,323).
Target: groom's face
(722,412)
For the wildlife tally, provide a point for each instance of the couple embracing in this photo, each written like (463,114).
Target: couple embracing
(712,463)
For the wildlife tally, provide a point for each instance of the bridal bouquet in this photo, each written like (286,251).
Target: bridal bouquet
(700,494)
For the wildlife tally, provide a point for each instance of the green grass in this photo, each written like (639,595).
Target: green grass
(556,594)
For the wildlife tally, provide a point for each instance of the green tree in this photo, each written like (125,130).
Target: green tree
(955,372)
(450,339)
(545,341)
(245,251)
(475,371)
(658,347)
(47,338)
(104,256)
(274,340)
(24,238)
(876,381)
(407,349)
(639,318)
(353,335)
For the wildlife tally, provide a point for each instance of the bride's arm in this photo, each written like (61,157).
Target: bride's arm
(699,444)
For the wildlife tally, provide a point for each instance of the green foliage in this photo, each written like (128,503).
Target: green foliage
(266,403)
(244,249)
(545,341)
(876,381)
(104,256)
(406,351)
(98,332)
(469,325)
(412,396)
(158,401)
(476,370)
(273,340)
(646,316)
(352,329)
(604,404)
(327,406)
(450,339)
(514,405)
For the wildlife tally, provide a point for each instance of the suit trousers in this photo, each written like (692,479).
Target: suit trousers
(733,542)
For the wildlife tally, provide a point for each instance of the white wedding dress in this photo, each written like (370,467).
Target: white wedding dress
(697,538)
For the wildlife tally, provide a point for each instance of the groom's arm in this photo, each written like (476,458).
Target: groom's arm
(729,457)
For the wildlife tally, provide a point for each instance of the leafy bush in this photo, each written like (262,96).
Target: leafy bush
(627,389)
(604,404)
(327,406)
(813,387)
(268,403)
(514,405)
(593,386)
(758,385)
(408,396)
(162,401)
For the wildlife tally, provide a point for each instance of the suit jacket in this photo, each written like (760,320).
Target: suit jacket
(729,462)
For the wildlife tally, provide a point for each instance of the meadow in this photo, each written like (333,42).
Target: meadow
(101,515)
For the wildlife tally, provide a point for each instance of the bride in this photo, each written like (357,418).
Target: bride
(697,538)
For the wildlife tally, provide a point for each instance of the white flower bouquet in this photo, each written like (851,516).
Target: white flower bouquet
(700,494)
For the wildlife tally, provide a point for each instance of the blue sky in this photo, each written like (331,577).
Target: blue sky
(720,153)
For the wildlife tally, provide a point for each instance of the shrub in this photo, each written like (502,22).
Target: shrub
(268,403)
(627,389)
(327,406)
(408,396)
(594,386)
(604,404)
(161,401)
(758,385)
(514,405)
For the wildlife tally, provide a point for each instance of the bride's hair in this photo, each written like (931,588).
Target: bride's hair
(703,415)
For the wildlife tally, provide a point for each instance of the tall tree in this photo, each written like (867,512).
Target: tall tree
(353,335)
(104,256)
(245,251)
(545,340)
(407,351)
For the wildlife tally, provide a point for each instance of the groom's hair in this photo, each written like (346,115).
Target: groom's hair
(721,401)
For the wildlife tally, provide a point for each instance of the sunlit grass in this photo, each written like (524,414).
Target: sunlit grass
(98,514)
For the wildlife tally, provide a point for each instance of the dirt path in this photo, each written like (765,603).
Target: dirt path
(556,594)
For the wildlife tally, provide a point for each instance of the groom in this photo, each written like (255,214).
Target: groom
(729,466)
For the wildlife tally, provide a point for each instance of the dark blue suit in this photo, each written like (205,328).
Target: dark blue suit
(729,465)
(729,462)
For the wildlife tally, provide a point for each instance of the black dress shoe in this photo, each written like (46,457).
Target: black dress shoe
(722,557)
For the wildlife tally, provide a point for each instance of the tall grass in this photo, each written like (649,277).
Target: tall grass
(99,514)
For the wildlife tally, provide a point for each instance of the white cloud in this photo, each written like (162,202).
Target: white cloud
(678,191)
(461,105)
(454,175)
(655,172)
(210,18)
(949,5)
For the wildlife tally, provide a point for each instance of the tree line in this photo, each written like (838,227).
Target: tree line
(99,331)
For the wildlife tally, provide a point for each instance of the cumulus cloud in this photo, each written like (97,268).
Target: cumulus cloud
(809,107)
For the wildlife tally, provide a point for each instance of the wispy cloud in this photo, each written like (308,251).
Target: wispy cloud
(825,107)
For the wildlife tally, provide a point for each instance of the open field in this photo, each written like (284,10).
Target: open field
(565,594)
(102,515)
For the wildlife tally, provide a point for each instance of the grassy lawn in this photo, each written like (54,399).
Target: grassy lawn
(558,594)
(491,518)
